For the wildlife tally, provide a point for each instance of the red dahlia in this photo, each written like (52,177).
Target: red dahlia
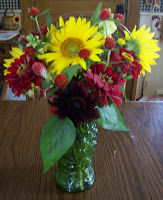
(22,76)
(115,57)
(34,12)
(29,51)
(60,80)
(105,14)
(132,63)
(76,103)
(119,16)
(110,43)
(105,83)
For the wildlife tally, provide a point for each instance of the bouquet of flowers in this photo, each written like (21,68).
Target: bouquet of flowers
(81,68)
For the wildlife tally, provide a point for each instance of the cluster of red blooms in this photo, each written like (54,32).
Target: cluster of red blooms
(43,29)
(25,72)
(127,62)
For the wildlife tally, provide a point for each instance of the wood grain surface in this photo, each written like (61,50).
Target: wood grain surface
(128,165)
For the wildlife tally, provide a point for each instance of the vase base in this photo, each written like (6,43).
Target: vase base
(73,183)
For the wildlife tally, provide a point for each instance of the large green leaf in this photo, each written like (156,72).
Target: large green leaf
(70,71)
(111,119)
(96,13)
(48,21)
(57,137)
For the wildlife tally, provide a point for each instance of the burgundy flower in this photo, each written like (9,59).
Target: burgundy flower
(115,57)
(104,14)
(34,12)
(29,51)
(23,39)
(43,29)
(132,63)
(21,75)
(119,16)
(76,103)
(105,83)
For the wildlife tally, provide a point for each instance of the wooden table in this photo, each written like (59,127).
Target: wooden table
(128,165)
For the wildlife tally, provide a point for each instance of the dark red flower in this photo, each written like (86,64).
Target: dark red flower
(21,75)
(44,29)
(84,53)
(23,39)
(60,80)
(105,14)
(34,12)
(132,63)
(115,57)
(53,110)
(76,103)
(105,83)
(119,16)
(29,51)
(110,43)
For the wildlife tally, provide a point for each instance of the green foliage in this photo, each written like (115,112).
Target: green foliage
(115,36)
(123,89)
(46,84)
(21,43)
(48,21)
(43,13)
(57,137)
(52,91)
(110,118)
(88,63)
(96,13)
(40,46)
(127,77)
(70,71)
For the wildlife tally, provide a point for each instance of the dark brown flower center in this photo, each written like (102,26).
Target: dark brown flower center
(77,104)
(106,79)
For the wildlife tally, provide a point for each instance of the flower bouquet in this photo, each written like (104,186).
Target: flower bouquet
(81,68)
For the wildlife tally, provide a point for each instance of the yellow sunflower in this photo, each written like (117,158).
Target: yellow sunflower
(143,46)
(16,19)
(15,53)
(66,43)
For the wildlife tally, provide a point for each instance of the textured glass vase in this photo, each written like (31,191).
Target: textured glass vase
(75,172)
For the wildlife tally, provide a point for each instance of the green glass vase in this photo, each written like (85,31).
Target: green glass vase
(75,172)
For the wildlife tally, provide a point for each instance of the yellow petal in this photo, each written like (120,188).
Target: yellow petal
(94,58)
(61,22)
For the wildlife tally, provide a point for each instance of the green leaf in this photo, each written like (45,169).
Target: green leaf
(52,91)
(48,21)
(40,46)
(70,71)
(124,93)
(127,77)
(115,36)
(96,14)
(88,64)
(46,84)
(59,28)
(57,137)
(111,119)
(28,10)
(43,13)
(21,43)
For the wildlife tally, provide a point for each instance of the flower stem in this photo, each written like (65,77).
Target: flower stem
(108,60)
(38,26)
